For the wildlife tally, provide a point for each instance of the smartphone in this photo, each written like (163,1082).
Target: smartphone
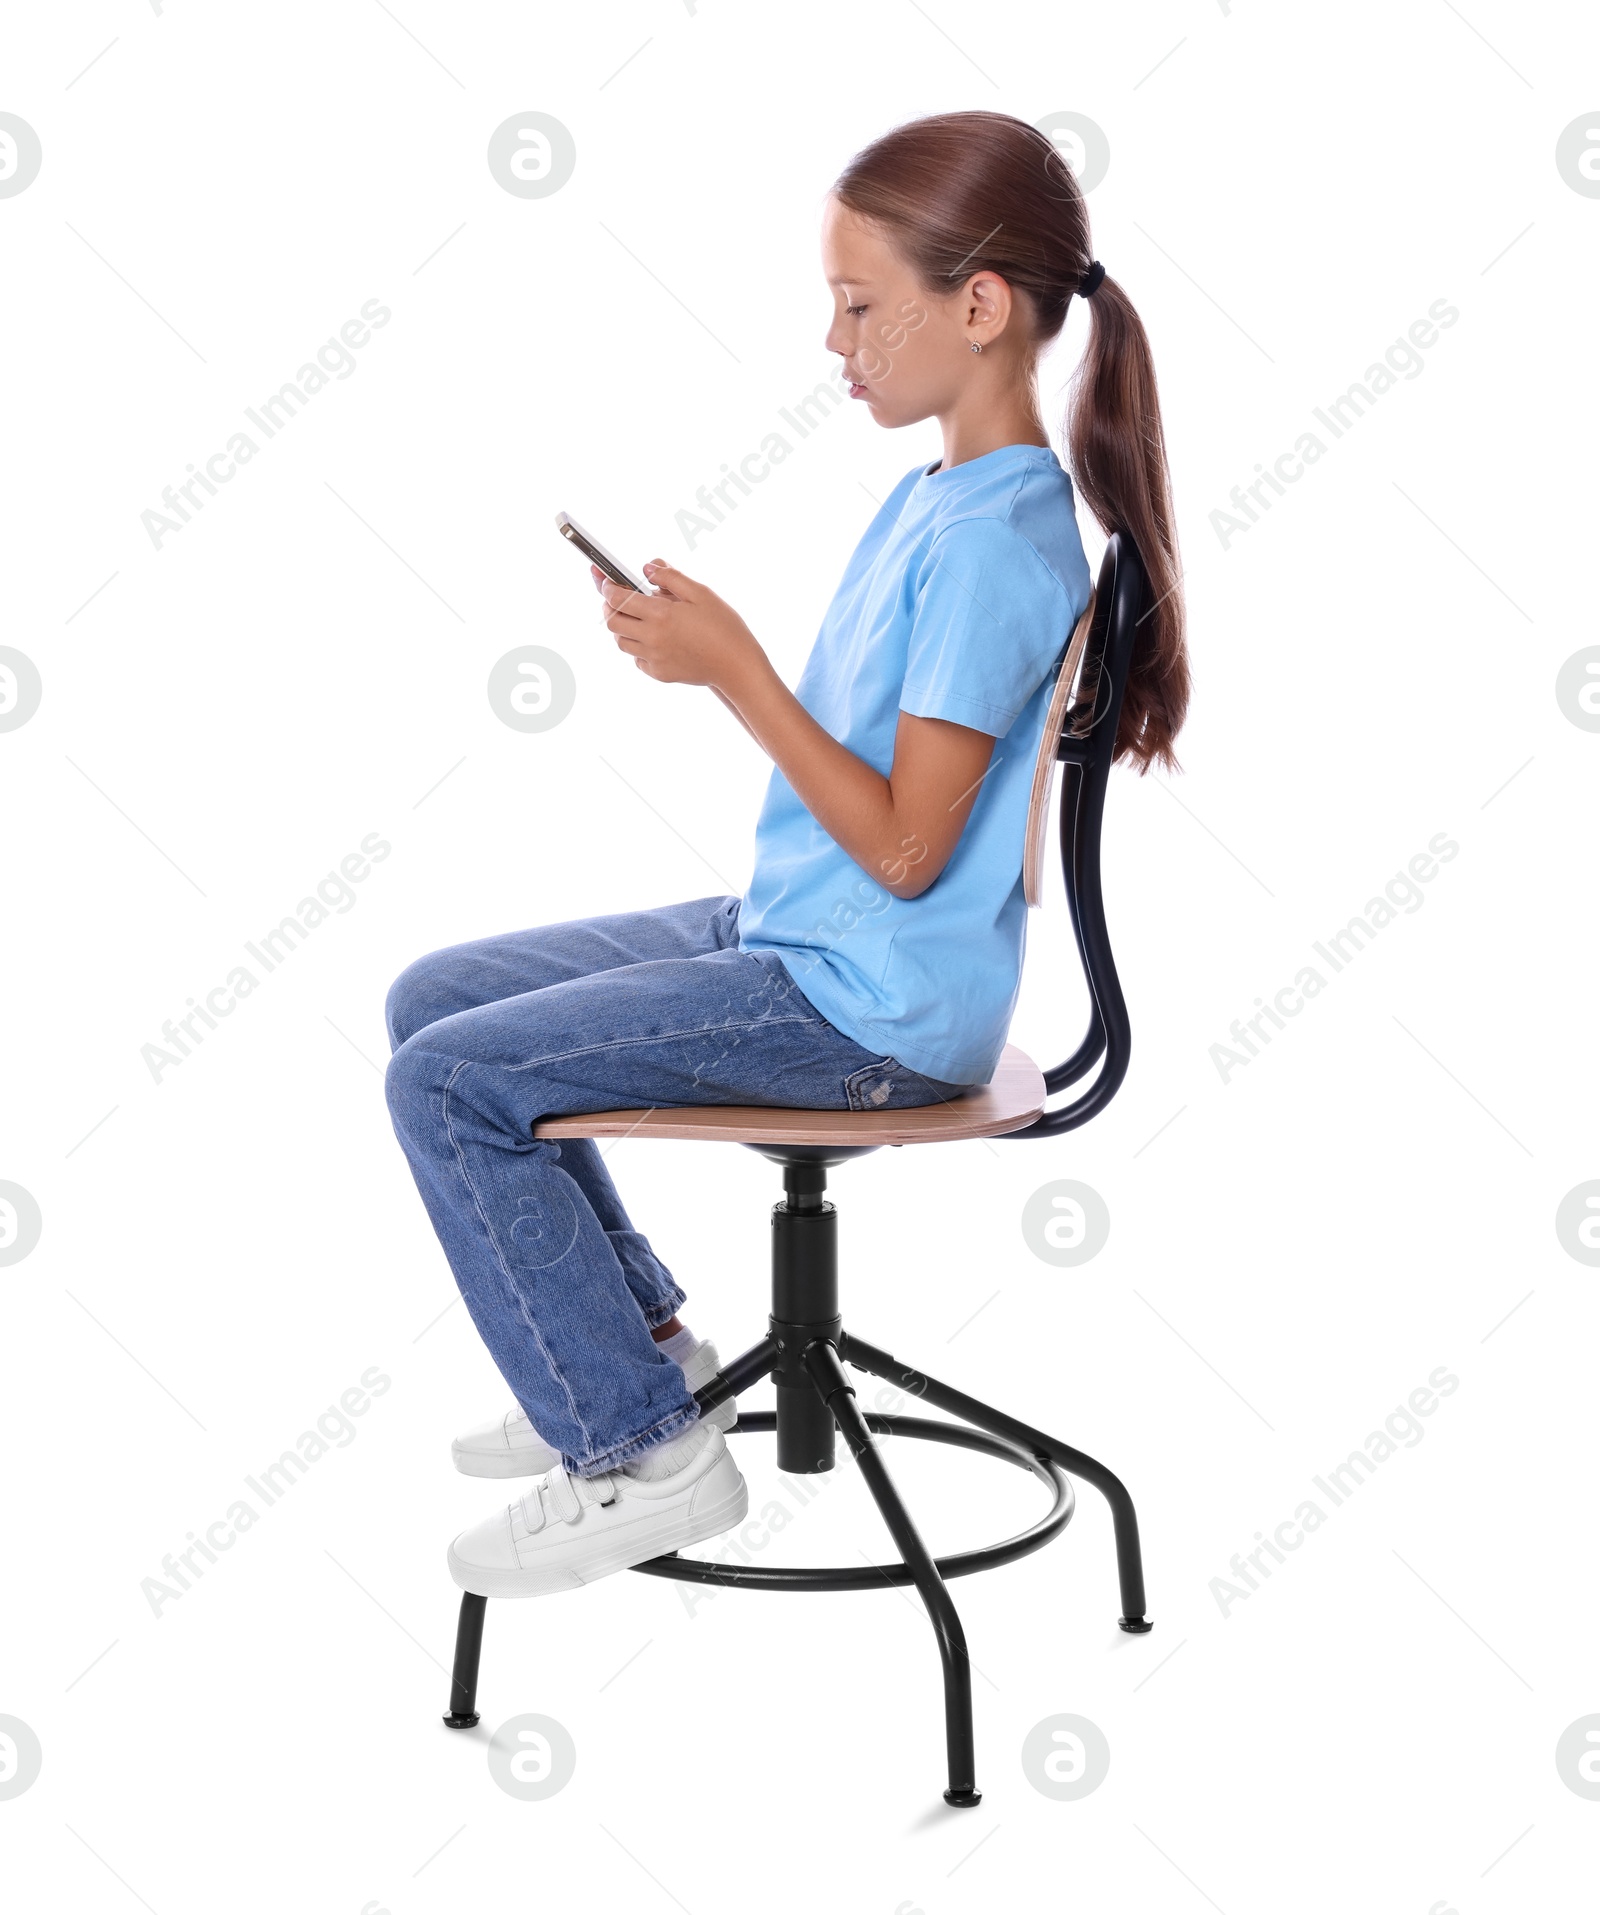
(597,554)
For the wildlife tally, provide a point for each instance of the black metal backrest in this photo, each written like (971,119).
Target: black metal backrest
(1088,740)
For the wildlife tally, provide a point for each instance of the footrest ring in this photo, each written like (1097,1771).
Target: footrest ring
(968,1562)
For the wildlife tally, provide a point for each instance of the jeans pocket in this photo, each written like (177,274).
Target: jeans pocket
(887,1084)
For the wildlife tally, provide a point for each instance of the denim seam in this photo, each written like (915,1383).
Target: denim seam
(671,1308)
(510,1284)
(672,1424)
(657,1037)
(674,1296)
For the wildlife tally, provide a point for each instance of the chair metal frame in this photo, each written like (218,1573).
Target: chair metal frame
(806,1347)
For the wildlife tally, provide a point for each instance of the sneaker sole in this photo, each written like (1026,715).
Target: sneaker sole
(523,1463)
(549,1579)
(500,1462)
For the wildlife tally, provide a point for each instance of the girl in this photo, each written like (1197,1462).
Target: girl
(873,962)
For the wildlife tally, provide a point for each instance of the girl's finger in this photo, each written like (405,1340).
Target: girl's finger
(668,578)
(623,599)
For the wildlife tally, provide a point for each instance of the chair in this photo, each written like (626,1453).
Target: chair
(805,1348)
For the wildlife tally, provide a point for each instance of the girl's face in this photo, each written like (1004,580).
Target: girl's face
(907,352)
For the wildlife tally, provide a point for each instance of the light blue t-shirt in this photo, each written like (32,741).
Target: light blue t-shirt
(957,604)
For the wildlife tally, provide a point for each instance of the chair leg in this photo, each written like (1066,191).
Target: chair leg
(827,1373)
(1130,1569)
(464,1679)
(738,1375)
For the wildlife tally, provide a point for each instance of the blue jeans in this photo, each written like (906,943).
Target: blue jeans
(633,1011)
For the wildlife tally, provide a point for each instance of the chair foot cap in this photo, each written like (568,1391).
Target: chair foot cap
(456,1720)
(963,1798)
(1135,1625)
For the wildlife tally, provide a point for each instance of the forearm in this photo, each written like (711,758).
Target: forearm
(900,829)
(735,710)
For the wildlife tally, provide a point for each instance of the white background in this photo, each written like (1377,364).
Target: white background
(226,1251)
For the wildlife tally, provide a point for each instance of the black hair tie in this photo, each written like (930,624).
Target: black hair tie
(1090,282)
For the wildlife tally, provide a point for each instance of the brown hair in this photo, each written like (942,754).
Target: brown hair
(961,192)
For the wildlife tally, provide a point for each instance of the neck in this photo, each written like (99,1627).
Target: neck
(991,413)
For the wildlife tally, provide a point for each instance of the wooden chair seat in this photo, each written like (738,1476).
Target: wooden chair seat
(1009,1101)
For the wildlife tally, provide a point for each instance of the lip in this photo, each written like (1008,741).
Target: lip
(857,391)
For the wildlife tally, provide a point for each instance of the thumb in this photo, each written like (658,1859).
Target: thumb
(667,578)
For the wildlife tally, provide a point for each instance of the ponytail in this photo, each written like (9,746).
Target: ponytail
(1118,459)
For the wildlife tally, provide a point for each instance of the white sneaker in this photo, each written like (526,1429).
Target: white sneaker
(571,1530)
(513,1447)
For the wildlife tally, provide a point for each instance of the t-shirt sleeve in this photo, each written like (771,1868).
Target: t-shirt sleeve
(989,622)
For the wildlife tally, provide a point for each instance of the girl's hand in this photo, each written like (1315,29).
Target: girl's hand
(684,636)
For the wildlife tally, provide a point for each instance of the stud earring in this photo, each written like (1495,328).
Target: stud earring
(976,347)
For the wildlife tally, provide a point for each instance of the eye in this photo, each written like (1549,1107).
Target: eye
(855,312)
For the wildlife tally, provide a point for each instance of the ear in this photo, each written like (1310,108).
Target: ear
(989,305)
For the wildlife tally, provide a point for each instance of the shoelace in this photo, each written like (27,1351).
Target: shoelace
(558,1497)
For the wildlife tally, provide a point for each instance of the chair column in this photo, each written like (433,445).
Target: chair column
(805,1307)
